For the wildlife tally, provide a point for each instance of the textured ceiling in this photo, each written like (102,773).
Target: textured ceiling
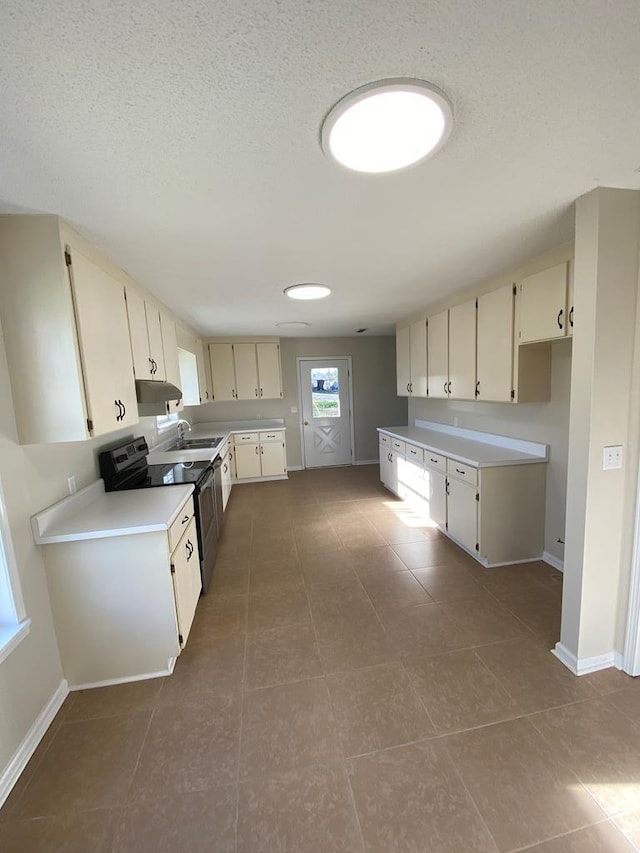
(182,138)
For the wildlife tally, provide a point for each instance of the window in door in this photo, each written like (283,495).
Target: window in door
(325,392)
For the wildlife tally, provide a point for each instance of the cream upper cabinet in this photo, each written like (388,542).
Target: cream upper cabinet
(462,351)
(438,354)
(495,345)
(411,359)
(223,372)
(103,337)
(570,299)
(403,360)
(543,305)
(146,337)
(269,376)
(172,365)
(66,336)
(246,364)
(204,384)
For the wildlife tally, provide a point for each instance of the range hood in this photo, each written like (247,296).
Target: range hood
(149,391)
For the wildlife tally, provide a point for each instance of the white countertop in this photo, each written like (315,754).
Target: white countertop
(93,513)
(482,450)
(212,429)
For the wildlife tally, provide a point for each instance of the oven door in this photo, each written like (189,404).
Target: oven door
(206,517)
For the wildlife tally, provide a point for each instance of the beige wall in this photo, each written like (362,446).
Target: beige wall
(374,393)
(545,422)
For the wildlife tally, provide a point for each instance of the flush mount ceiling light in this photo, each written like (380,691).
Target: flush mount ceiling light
(307,291)
(293,324)
(387,125)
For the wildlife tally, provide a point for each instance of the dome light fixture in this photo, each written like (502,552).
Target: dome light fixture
(293,324)
(307,291)
(387,125)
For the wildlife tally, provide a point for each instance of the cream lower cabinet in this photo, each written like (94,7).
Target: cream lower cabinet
(259,455)
(227,472)
(495,513)
(123,606)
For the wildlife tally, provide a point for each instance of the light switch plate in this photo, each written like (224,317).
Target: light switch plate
(612,457)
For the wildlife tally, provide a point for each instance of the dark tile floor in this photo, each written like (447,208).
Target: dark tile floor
(352,682)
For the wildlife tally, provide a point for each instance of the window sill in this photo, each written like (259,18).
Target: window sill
(11,636)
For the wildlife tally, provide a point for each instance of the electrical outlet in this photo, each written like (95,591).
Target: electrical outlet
(71,483)
(612,457)
(294,410)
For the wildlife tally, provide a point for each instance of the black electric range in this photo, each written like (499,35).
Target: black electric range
(125,467)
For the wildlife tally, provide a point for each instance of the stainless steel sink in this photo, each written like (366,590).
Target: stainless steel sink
(195,443)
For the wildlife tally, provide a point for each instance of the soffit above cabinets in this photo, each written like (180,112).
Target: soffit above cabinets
(185,144)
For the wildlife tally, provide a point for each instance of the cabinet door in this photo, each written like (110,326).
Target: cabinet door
(247,461)
(570,286)
(272,458)
(543,305)
(403,363)
(438,354)
(223,373)
(172,365)
(462,513)
(142,364)
(495,345)
(156,348)
(244,356)
(105,352)
(187,583)
(269,375)
(386,468)
(226,475)
(418,358)
(462,351)
(203,378)
(435,486)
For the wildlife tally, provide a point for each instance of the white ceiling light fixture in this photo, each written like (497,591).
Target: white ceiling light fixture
(387,125)
(307,291)
(293,324)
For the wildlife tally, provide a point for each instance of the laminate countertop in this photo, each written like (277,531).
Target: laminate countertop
(220,429)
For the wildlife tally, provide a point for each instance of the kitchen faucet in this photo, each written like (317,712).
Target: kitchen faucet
(180,431)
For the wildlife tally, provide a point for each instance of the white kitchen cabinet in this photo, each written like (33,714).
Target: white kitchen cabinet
(411,359)
(462,351)
(246,364)
(146,337)
(495,345)
(543,305)
(186,578)
(387,476)
(204,374)
(462,513)
(435,487)
(223,372)
(227,472)
(171,361)
(570,289)
(259,455)
(269,375)
(438,354)
(123,605)
(247,461)
(67,346)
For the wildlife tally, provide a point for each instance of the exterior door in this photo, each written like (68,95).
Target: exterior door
(326,415)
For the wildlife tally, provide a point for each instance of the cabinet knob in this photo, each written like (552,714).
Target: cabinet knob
(571,317)
(305,423)
(185,519)
(256,390)
(559,318)
(478,388)
(257,449)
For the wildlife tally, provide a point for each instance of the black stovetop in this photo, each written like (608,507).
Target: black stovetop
(125,467)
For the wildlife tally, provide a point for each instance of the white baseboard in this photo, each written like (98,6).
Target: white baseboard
(583,666)
(110,682)
(553,561)
(367,462)
(14,768)
(295,467)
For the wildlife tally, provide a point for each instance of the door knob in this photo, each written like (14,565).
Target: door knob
(305,423)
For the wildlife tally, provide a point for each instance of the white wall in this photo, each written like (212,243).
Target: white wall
(545,422)
(374,393)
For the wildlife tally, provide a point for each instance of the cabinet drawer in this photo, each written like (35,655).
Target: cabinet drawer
(460,471)
(385,439)
(246,438)
(416,454)
(180,524)
(435,460)
(276,435)
(398,446)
